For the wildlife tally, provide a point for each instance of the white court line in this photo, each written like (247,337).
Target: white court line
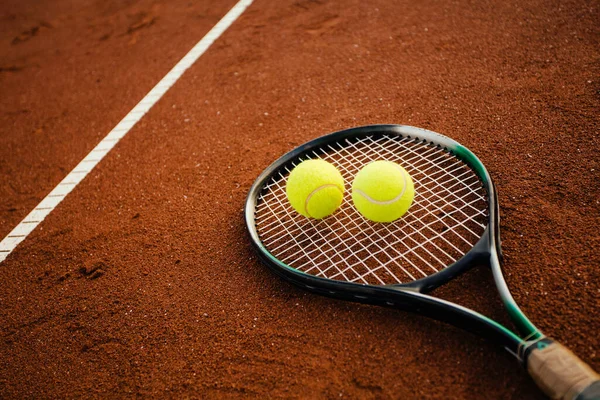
(37,215)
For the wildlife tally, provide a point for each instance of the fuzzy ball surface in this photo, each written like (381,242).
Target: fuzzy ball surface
(315,188)
(382,191)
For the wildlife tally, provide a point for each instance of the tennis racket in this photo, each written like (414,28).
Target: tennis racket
(452,225)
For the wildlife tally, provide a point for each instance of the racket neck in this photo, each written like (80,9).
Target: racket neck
(524,326)
(522,323)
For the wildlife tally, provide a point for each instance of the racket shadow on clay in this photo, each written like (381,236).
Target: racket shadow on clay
(452,225)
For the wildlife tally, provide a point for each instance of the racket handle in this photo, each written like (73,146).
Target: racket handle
(561,374)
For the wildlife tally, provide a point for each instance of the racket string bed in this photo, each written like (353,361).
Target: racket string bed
(448,216)
(419,195)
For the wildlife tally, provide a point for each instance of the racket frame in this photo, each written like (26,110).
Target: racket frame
(410,296)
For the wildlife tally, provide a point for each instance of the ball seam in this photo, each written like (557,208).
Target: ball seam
(385,202)
(311,194)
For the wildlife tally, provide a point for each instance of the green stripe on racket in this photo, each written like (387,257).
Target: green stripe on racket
(452,226)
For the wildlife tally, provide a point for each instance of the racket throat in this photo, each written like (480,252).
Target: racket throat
(524,326)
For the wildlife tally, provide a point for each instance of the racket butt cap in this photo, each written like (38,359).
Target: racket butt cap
(561,374)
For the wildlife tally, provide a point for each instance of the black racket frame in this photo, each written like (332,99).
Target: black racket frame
(412,296)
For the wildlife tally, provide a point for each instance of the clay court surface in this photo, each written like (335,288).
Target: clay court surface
(142,282)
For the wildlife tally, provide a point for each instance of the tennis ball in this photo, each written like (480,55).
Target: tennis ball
(315,188)
(382,191)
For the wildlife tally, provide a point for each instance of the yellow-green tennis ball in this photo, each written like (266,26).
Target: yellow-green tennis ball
(382,191)
(315,188)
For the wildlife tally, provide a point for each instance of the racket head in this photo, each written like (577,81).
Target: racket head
(423,269)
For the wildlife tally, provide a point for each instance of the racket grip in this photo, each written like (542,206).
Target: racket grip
(561,374)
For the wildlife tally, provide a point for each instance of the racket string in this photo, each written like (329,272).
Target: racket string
(448,216)
(392,245)
(419,195)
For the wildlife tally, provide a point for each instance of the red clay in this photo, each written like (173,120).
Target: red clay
(69,72)
(143,283)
